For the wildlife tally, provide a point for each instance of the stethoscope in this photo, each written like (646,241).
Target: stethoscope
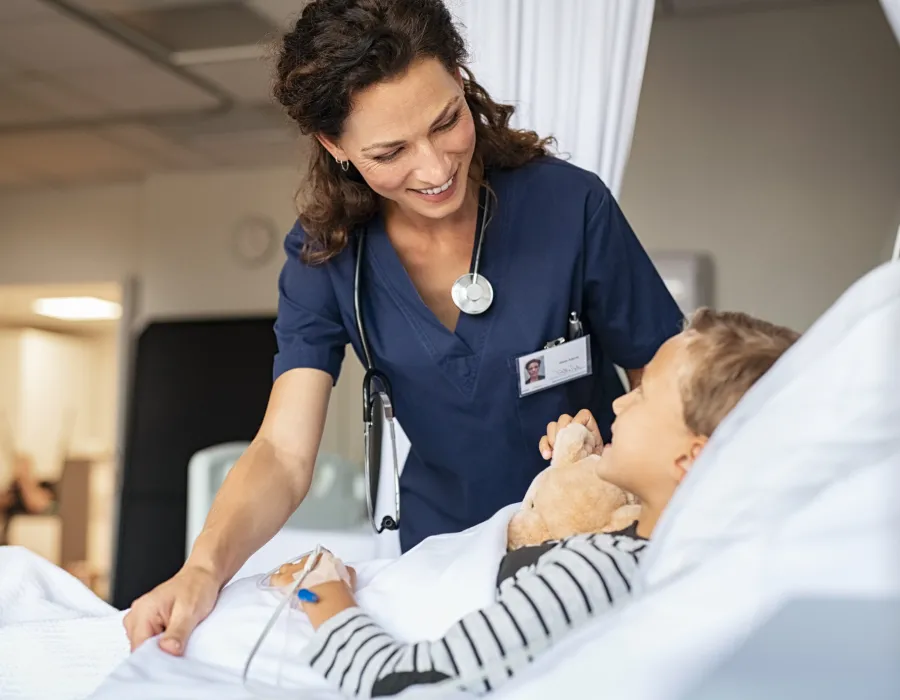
(473,294)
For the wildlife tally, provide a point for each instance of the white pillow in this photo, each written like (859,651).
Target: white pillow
(830,406)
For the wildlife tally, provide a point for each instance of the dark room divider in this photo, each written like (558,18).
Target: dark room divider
(194,384)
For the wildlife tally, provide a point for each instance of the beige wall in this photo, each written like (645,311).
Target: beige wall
(174,233)
(84,234)
(768,139)
(10,351)
(771,140)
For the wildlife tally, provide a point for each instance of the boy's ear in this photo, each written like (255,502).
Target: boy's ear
(684,463)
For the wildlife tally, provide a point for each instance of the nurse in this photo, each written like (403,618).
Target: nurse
(413,155)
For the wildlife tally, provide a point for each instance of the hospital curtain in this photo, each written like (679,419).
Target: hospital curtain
(892,10)
(572,68)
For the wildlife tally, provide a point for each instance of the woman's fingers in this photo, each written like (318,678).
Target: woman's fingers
(586,418)
(545,448)
(547,442)
(142,623)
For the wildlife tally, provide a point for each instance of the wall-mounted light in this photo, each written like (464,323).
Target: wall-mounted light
(78,308)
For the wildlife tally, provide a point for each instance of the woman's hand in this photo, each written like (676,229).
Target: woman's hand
(175,608)
(584,416)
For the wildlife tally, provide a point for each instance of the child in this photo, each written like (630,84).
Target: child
(661,428)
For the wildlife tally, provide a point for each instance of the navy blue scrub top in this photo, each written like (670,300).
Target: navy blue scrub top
(557,242)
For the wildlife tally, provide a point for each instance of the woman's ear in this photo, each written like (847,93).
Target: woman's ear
(333,149)
(684,463)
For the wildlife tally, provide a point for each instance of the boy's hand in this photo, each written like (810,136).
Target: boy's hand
(584,416)
(329,568)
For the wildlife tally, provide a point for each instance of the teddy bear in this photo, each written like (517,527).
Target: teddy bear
(570,497)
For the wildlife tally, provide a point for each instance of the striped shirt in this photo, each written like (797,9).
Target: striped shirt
(573,581)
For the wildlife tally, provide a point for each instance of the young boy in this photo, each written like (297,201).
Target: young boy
(661,428)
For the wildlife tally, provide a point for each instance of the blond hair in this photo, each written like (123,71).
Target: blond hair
(729,352)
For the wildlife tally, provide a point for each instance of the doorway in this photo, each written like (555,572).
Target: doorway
(59,415)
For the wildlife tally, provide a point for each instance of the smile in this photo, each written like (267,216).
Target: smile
(437,190)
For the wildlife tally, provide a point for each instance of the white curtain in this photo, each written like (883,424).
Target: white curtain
(892,10)
(572,68)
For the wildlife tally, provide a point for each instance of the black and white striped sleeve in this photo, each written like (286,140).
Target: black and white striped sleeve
(578,579)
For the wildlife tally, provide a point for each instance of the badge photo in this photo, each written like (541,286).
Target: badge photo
(554,365)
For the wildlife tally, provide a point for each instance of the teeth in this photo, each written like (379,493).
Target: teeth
(438,190)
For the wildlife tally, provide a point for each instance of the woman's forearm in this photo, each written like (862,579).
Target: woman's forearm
(270,479)
(258,496)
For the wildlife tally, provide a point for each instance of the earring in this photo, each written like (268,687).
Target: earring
(345,164)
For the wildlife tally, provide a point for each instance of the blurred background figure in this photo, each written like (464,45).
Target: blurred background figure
(25,495)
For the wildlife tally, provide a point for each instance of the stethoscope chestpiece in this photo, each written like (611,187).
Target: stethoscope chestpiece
(472,293)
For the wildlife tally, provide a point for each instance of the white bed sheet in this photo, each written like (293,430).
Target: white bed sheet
(57,639)
(417,596)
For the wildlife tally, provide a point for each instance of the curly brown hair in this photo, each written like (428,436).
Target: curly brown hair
(340,47)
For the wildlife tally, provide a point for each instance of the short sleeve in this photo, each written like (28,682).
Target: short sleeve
(628,306)
(309,329)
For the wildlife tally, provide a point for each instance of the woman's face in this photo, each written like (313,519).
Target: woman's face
(412,139)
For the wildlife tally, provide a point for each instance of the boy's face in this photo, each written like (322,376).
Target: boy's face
(651,447)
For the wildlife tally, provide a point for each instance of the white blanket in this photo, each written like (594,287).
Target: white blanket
(52,622)
(57,639)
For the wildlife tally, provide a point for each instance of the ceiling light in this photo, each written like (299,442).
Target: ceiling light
(77,308)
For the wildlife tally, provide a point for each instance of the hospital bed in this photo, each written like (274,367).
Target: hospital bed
(333,513)
(792,502)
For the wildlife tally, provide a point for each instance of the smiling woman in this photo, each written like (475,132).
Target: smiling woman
(417,181)
(399,120)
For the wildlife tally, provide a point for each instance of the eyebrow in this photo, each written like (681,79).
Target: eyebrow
(394,144)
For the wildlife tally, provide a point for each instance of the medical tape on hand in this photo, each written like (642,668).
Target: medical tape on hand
(311,562)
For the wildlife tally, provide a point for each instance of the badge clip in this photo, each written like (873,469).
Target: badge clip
(554,343)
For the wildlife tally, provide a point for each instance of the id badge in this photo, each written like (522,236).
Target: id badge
(554,365)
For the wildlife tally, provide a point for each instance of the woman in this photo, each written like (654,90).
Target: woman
(409,152)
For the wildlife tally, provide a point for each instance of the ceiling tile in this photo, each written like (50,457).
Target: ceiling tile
(67,155)
(59,98)
(62,45)
(282,12)
(249,80)
(26,10)
(261,148)
(12,173)
(199,26)
(154,145)
(16,107)
(243,119)
(150,90)
(134,5)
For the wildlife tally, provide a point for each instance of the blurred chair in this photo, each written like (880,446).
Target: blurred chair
(333,512)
